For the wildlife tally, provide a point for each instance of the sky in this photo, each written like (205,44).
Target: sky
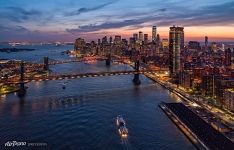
(66,20)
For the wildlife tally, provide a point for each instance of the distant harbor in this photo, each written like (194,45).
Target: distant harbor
(8,50)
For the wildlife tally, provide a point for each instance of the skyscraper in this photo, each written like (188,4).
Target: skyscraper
(111,40)
(104,40)
(146,38)
(228,57)
(158,40)
(176,43)
(141,36)
(154,34)
(206,41)
(117,39)
(135,36)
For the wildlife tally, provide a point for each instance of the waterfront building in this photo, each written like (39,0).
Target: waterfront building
(79,45)
(221,84)
(176,43)
(208,85)
(229,99)
(185,79)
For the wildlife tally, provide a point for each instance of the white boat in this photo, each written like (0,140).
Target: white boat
(121,124)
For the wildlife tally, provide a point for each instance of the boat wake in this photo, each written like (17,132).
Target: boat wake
(126,144)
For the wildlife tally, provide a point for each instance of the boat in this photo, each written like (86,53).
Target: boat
(121,124)
(64,86)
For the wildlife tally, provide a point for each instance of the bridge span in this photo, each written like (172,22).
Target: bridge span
(80,75)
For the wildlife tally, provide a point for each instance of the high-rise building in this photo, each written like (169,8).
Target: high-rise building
(228,57)
(206,41)
(229,99)
(125,42)
(176,43)
(79,44)
(141,36)
(194,45)
(165,43)
(158,40)
(117,39)
(135,36)
(154,34)
(104,41)
(146,39)
(111,40)
(214,47)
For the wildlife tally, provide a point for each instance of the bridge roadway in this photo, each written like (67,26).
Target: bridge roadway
(80,75)
(75,60)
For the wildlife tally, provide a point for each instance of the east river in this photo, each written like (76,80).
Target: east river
(82,116)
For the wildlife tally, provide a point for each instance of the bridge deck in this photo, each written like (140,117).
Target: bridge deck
(81,75)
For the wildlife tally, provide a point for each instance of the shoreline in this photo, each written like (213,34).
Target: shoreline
(14,89)
(183,128)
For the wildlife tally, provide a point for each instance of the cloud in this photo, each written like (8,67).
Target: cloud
(127,15)
(18,14)
(85,10)
(107,25)
(20,33)
(212,15)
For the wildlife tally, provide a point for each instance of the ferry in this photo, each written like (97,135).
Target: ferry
(121,124)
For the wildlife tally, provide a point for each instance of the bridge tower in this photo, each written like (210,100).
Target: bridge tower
(22,90)
(108,60)
(46,63)
(136,80)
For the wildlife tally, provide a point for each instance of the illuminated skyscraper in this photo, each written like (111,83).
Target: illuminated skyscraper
(176,43)
(154,34)
(141,36)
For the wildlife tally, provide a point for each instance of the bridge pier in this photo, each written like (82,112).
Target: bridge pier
(136,80)
(46,63)
(108,60)
(22,90)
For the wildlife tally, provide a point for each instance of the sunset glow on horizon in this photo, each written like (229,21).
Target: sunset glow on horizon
(66,20)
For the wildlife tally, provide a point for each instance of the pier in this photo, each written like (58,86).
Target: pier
(199,132)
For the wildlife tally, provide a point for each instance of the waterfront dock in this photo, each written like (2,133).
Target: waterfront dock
(199,132)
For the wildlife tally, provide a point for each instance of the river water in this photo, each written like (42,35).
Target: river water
(82,116)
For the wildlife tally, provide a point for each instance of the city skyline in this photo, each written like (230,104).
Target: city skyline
(66,20)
